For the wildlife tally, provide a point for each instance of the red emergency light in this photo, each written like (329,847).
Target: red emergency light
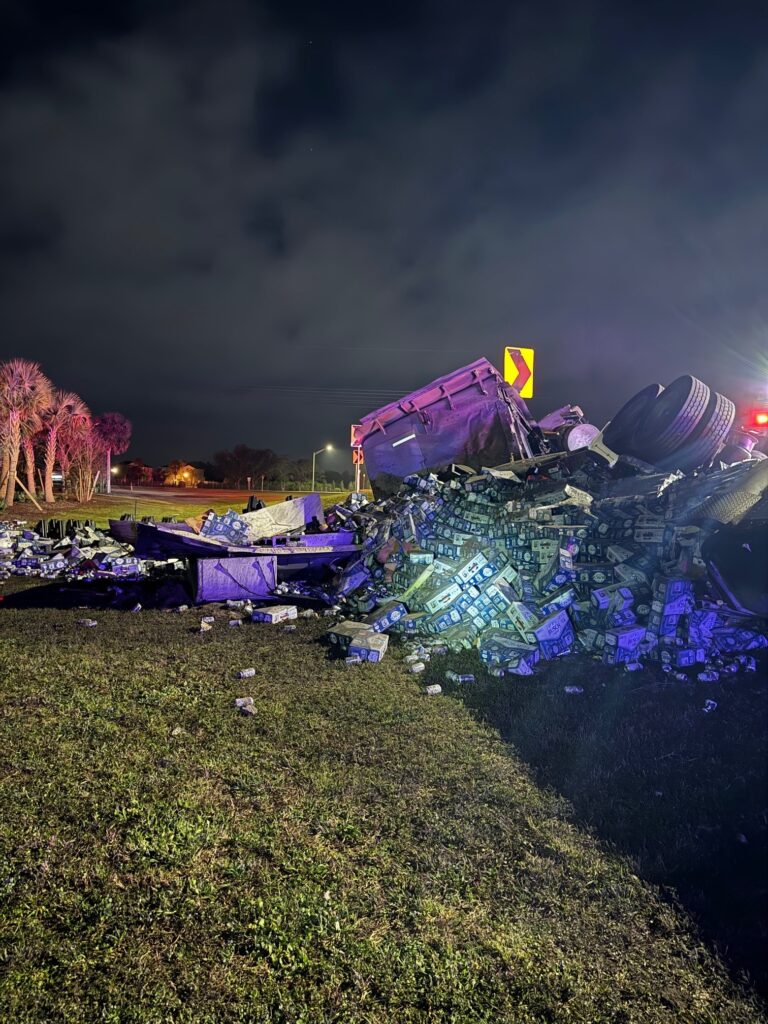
(760,418)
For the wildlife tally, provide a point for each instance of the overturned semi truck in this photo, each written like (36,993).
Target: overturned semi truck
(473,418)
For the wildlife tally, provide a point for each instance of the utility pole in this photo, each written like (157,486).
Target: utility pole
(326,448)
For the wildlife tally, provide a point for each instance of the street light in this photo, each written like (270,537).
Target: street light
(327,448)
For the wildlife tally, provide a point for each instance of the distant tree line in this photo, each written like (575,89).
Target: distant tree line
(235,468)
(265,469)
(45,428)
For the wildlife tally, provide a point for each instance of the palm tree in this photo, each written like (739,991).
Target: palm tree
(30,436)
(24,392)
(114,433)
(65,409)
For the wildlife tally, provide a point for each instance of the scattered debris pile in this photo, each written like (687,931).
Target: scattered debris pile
(74,549)
(554,555)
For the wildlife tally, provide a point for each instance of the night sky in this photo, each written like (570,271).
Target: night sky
(254,222)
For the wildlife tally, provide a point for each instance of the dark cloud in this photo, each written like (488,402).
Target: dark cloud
(307,93)
(29,233)
(207,205)
(266,223)
(36,30)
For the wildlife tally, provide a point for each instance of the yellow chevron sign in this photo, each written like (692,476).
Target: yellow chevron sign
(518,370)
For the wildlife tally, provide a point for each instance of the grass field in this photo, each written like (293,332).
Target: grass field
(682,792)
(355,852)
(105,507)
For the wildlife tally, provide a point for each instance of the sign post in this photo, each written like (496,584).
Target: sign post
(357,461)
(357,451)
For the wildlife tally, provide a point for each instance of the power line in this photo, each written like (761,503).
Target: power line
(321,387)
(337,396)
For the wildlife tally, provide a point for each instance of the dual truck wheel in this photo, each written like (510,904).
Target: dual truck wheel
(682,426)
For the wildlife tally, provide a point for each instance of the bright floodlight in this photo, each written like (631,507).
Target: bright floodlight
(329,447)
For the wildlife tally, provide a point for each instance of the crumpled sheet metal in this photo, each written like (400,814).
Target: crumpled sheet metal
(248,528)
(222,579)
(285,516)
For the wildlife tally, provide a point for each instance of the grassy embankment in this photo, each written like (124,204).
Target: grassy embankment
(355,852)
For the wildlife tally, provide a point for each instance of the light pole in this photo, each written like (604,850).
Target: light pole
(326,448)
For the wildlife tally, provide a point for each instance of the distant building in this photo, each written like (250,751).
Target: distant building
(182,474)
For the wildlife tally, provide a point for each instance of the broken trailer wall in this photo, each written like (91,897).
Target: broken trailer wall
(222,579)
(469,417)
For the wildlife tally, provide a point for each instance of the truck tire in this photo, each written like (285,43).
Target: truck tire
(618,433)
(707,439)
(671,419)
(736,503)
